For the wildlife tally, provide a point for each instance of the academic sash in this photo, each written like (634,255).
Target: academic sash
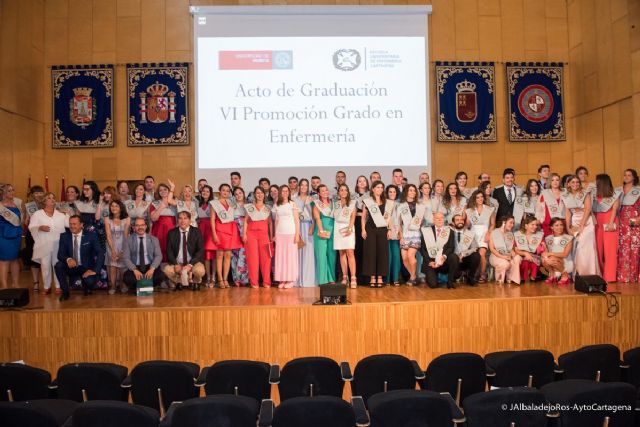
(435,246)
(375,213)
(225,215)
(414,222)
(502,241)
(257,214)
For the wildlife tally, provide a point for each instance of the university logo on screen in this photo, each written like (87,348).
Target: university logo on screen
(346,59)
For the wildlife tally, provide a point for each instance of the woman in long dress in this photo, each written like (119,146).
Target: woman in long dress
(239,269)
(163,215)
(629,234)
(306,261)
(117,226)
(578,202)
(323,237)
(287,234)
(605,207)
(550,204)
(361,192)
(344,239)
(481,219)
(204,224)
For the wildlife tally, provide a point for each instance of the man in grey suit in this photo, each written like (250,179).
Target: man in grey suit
(142,256)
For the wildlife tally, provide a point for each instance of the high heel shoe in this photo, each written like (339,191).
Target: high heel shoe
(354,282)
(345,278)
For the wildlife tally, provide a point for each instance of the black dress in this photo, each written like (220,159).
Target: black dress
(375,257)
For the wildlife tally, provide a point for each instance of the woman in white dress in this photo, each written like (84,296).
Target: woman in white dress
(344,237)
(503,256)
(481,219)
(45,226)
(526,204)
(306,260)
(557,258)
(286,239)
(116,227)
(578,202)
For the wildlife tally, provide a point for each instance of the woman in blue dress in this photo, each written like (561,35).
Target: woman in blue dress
(10,236)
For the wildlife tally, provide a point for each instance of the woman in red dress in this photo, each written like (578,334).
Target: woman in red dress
(605,207)
(550,204)
(163,215)
(204,224)
(225,233)
(629,233)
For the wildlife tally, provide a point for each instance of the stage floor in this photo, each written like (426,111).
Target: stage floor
(247,297)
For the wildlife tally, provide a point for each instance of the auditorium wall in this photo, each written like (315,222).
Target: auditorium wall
(598,39)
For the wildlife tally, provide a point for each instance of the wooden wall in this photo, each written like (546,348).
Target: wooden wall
(595,37)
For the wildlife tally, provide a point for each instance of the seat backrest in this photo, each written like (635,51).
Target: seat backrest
(586,361)
(444,371)
(251,379)
(632,359)
(306,376)
(25,382)
(487,408)
(218,410)
(513,368)
(372,372)
(175,379)
(101,381)
(415,408)
(114,413)
(22,414)
(586,394)
(319,411)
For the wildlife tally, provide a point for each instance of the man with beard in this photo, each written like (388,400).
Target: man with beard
(466,250)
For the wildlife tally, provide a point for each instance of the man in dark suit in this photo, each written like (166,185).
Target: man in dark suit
(466,249)
(506,193)
(434,262)
(185,254)
(142,255)
(79,256)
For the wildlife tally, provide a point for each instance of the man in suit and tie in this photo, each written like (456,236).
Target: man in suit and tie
(438,252)
(142,255)
(506,194)
(466,250)
(79,256)
(185,254)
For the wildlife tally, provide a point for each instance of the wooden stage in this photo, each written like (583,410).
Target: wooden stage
(277,325)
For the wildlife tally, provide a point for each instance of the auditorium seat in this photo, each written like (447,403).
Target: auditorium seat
(158,383)
(532,368)
(416,408)
(36,413)
(590,392)
(594,362)
(631,364)
(384,372)
(91,381)
(239,377)
(218,410)
(110,413)
(459,374)
(313,376)
(23,382)
(318,411)
(499,408)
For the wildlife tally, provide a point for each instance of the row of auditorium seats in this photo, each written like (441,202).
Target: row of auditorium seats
(452,385)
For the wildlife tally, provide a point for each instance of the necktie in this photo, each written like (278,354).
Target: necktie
(76,252)
(509,197)
(184,248)
(141,260)
(438,232)
(458,235)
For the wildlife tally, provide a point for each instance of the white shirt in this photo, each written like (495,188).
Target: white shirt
(179,257)
(511,190)
(73,238)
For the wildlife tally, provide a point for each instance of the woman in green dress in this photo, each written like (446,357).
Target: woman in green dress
(324,253)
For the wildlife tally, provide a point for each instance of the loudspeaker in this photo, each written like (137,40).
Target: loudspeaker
(14,297)
(590,284)
(333,294)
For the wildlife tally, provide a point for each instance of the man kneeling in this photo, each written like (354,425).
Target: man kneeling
(185,253)
(438,252)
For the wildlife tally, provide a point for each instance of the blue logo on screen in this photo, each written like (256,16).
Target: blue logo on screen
(282,59)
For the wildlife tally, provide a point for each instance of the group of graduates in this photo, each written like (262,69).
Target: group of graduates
(305,233)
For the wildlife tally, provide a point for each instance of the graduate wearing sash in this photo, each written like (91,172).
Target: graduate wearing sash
(257,237)
(606,203)
(461,181)
(239,269)
(557,257)
(411,216)
(361,192)
(375,232)
(10,236)
(526,203)
(68,207)
(394,235)
(454,203)
(137,207)
(323,237)
(438,251)
(481,220)
(629,233)
(204,224)
(437,196)
(344,238)
(425,199)
(529,245)
(188,203)
(225,233)
(163,216)
(286,237)
(503,258)
(466,250)
(550,204)
(306,260)
(578,204)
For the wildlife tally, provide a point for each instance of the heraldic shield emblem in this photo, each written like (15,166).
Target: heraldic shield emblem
(82,106)
(466,101)
(157,109)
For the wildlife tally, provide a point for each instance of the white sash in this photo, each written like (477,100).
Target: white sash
(606,203)
(467,239)
(327,210)
(9,215)
(502,242)
(561,246)
(225,215)
(435,246)
(389,206)
(428,214)
(528,245)
(556,209)
(255,214)
(181,206)
(574,201)
(494,203)
(65,206)
(631,197)
(483,218)
(467,192)
(375,213)
(413,222)
(457,210)
(359,198)
(343,214)
(31,208)
(305,212)
(86,207)
(523,205)
(204,213)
